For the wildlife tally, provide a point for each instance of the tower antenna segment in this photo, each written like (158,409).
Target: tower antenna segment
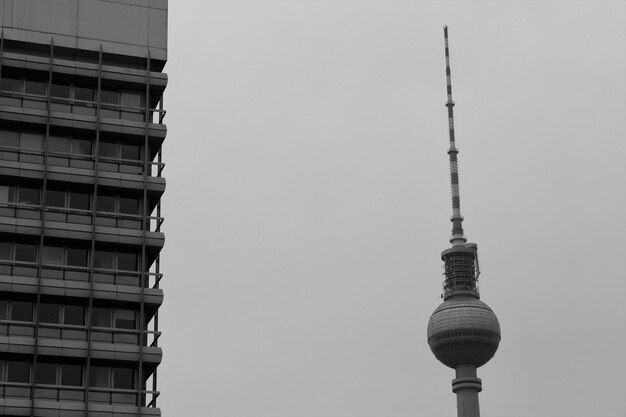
(458,237)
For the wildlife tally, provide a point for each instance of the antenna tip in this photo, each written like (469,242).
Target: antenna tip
(445,27)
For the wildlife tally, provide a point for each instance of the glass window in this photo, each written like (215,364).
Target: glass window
(58,144)
(18,371)
(132,99)
(31,141)
(123,378)
(52,255)
(127,261)
(109,96)
(35,87)
(27,195)
(105,203)
(81,146)
(71,374)
(125,319)
(6,194)
(60,90)
(3,316)
(103,259)
(76,257)
(22,311)
(25,252)
(84,93)
(48,313)
(130,151)
(74,315)
(101,317)
(8,138)
(46,373)
(55,198)
(79,201)
(99,376)
(129,205)
(5,250)
(107,149)
(10,83)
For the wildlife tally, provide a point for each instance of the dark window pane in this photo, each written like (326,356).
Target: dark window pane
(107,149)
(8,138)
(60,90)
(76,257)
(83,93)
(8,83)
(28,195)
(25,252)
(130,151)
(109,96)
(99,376)
(3,316)
(48,313)
(123,378)
(74,315)
(5,250)
(55,198)
(127,261)
(125,319)
(58,144)
(52,255)
(81,146)
(101,317)
(22,311)
(46,373)
(79,200)
(105,203)
(129,205)
(71,374)
(18,371)
(35,87)
(104,259)
(132,99)
(31,141)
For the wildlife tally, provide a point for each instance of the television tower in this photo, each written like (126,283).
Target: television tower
(463,332)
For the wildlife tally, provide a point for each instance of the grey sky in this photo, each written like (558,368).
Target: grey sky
(308,201)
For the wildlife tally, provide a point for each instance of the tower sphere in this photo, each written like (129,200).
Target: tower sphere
(463,331)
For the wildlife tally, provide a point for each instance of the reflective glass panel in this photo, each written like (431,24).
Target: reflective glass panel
(52,255)
(101,317)
(21,310)
(104,259)
(125,319)
(8,138)
(129,205)
(46,373)
(107,149)
(55,198)
(71,374)
(58,144)
(81,146)
(105,203)
(48,313)
(25,252)
(74,315)
(27,195)
(123,378)
(35,87)
(99,376)
(127,261)
(79,201)
(18,371)
(31,141)
(76,257)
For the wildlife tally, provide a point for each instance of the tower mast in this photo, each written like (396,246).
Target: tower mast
(463,332)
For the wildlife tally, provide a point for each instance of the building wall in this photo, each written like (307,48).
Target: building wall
(81,129)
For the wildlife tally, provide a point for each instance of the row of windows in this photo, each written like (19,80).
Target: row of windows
(70,199)
(68,314)
(63,144)
(82,96)
(69,256)
(67,374)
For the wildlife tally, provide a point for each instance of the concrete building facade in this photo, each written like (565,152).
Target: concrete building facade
(81,129)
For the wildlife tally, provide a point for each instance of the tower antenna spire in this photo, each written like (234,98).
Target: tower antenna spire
(458,238)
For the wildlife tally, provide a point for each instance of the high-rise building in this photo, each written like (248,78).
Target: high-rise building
(463,332)
(81,129)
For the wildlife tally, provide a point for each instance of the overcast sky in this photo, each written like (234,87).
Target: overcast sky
(308,202)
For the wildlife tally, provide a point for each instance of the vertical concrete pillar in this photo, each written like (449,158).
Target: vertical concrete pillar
(466,386)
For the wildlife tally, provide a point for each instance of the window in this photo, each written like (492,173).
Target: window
(123,378)
(60,89)
(74,315)
(84,93)
(104,259)
(76,257)
(6,194)
(28,195)
(5,250)
(105,203)
(107,149)
(48,313)
(46,373)
(25,252)
(55,198)
(127,261)
(8,138)
(21,311)
(81,146)
(31,141)
(130,151)
(99,376)
(101,317)
(71,374)
(18,371)
(129,205)
(35,87)
(11,83)
(79,200)
(109,96)
(58,144)
(4,304)
(125,319)
(52,255)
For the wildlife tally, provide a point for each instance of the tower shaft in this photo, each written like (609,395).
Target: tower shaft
(466,386)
